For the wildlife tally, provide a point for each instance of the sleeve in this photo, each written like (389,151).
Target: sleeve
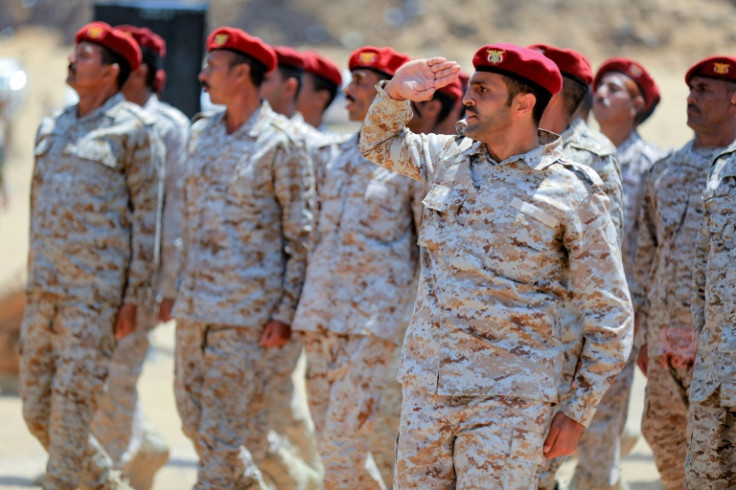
(610,173)
(176,154)
(144,174)
(645,257)
(600,294)
(697,305)
(294,188)
(385,140)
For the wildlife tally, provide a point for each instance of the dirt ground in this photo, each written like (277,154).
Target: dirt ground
(43,56)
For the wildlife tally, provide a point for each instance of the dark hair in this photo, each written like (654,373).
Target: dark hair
(108,58)
(152,62)
(517,86)
(573,92)
(257,69)
(321,83)
(292,72)
(446,105)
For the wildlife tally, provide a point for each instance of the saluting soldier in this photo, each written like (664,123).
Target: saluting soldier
(95,210)
(510,229)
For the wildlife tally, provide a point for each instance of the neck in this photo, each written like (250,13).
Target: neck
(617,133)
(89,102)
(313,119)
(240,110)
(512,142)
(722,137)
(287,109)
(139,97)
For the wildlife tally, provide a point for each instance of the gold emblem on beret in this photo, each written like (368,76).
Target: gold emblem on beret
(367,58)
(94,32)
(496,56)
(635,70)
(722,68)
(221,39)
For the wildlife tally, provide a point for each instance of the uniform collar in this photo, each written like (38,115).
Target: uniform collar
(633,139)
(547,153)
(576,126)
(105,109)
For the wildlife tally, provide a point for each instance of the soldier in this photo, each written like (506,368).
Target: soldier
(670,217)
(320,85)
(360,283)
(95,202)
(510,229)
(711,455)
(119,424)
(295,463)
(599,455)
(246,227)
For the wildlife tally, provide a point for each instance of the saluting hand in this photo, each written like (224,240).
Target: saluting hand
(417,80)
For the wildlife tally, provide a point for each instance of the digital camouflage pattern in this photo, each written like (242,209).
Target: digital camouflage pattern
(95,210)
(119,424)
(247,225)
(361,272)
(345,377)
(711,458)
(554,207)
(247,222)
(95,205)
(469,441)
(670,219)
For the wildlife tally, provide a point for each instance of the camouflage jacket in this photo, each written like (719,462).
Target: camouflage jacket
(247,221)
(502,245)
(636,157)
(669,221)
(714,302)
(173,126)
(361,274)
(95,204)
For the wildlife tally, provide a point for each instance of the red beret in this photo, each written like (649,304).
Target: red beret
(638,74)
(101,33)
(145,38)
(322,67)
(718,67)
(454,90)
(384,60)
(571,63)
(242,42)
(287,56)
(517,62)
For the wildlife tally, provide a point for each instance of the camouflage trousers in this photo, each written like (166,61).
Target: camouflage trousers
(66,345)
(711,455)
(345,376)
(383,435)
(664,422)
(469,441)
(118,423)
(220,377)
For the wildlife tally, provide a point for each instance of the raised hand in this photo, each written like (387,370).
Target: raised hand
(418,79)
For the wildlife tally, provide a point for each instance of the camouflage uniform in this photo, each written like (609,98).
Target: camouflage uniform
(360,283)
(711,455)
(598,463)
(485,333)
(118,423)
(671,215)
(95,205)
(246,228)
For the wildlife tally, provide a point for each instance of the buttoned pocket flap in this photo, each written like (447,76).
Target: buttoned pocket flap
(443,199)
(94,149)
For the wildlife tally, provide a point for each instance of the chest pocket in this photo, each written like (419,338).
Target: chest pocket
(94,149)
(721,221)
(524,244)
(441,207)
(385,209)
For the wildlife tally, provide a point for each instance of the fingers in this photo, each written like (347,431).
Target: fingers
(266,337)
(551,440)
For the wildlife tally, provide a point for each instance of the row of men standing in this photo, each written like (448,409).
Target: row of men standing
(244,213)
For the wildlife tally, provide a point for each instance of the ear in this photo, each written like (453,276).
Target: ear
(290,87)
(639,104)
(242,71)
(321,98)
(111,72)
(524,104)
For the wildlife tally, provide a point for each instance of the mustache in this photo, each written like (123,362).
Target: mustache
(693,107)
(348,97)
(72,68)
(471,110)
(204,85)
